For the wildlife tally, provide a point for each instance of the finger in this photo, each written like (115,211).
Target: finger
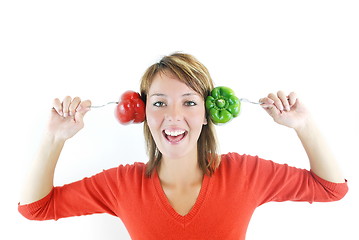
(292,98)
(277,101)
(65,105)
(73,105)
(57,106)
(284,99)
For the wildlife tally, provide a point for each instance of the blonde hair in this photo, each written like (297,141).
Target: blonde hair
(195,75)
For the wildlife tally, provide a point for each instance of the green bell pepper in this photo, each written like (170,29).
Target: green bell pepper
(222,105)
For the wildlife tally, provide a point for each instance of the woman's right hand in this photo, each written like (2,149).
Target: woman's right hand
(66,117)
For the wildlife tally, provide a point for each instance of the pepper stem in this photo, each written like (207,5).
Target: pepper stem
(221,103)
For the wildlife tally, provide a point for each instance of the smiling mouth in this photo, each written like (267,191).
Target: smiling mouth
(174,137)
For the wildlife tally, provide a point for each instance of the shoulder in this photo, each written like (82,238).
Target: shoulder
(236,170)
(133,170)
(233,161)
(233,158)
(134,167)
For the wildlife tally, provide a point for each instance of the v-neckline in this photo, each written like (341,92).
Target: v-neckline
(166,204)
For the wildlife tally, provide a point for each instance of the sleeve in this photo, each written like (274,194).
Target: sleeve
(97,194)
(270,181)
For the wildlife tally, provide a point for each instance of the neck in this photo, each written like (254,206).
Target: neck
(180,172)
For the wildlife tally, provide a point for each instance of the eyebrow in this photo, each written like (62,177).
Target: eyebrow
(164,95)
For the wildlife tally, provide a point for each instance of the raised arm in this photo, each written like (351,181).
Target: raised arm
(66,119)
(289,111)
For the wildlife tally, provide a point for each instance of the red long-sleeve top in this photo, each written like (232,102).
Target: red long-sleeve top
(223,208)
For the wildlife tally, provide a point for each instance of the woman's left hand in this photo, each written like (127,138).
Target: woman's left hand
(285,109)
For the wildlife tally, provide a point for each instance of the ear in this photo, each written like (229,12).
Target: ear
(205,121)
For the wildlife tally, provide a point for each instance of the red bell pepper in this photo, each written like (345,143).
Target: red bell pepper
(130,109)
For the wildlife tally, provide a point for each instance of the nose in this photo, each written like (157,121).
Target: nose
(174,113)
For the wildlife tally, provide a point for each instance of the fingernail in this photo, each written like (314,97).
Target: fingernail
(65,114)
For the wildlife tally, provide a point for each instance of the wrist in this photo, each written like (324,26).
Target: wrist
(53,139)
(306,127)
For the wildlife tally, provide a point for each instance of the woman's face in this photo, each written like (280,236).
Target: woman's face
(175,115)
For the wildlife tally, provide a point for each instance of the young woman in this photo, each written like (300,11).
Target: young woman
(186,190)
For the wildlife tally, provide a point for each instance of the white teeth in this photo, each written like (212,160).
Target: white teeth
(174,133)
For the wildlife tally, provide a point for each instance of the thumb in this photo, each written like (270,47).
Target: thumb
(272,110)
(82,109)
(268,105)
(79,115)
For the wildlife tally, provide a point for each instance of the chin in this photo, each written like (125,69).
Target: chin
(178,152)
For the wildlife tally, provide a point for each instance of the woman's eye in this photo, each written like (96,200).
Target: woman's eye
(190,103)
(159,104)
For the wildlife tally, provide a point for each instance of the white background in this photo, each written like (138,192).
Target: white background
(99,49)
